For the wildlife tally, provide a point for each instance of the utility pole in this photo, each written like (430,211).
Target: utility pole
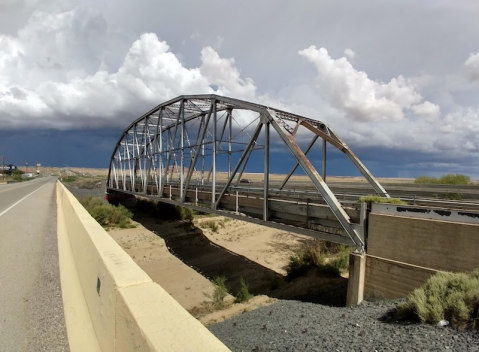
(3,166)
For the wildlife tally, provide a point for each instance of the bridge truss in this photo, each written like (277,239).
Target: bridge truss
(193,151)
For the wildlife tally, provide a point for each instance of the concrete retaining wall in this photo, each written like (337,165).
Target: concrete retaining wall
(128,311)
(407,247)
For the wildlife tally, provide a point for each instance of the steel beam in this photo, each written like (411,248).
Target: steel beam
(297,163)
(266,172)
(240,161)
(213,185)
(320,185)
(199,143)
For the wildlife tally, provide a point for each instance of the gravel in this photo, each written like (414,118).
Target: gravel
(299,326)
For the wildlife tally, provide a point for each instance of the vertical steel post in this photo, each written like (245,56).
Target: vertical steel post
(266,172)
(203,153)
(237,203)
(213,183)
(182,157)
(324,160)
(230,134)
(160,131)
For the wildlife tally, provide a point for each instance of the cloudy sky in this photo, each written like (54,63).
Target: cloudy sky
(398,80)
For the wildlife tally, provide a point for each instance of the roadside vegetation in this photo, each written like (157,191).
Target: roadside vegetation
(219,293)
(243,294)
(449,179)
(69,179)
(377,199)
(453,297)
(328,258)
(107,215)
(17,176)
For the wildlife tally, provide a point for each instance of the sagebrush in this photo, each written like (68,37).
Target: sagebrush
(107,215)
(445,296)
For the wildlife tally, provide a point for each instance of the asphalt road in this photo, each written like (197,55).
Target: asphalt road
(31,308)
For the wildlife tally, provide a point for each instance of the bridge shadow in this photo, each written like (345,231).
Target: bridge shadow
(188,243)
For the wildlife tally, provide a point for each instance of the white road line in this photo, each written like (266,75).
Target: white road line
(28,195)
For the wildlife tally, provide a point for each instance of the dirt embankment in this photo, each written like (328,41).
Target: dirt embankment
(183,257)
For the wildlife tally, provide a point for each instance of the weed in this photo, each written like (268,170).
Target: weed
(377,199)
(338,264)
(332,259)
(243,294)
(299,263)
(219,293)
(450,296)
(211,224)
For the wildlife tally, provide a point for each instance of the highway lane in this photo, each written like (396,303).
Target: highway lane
(31,309)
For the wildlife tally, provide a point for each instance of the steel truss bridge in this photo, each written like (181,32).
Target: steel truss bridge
(193,150)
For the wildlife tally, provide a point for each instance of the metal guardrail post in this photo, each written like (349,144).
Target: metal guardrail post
(237,203)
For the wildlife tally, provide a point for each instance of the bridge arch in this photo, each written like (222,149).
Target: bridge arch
(174,153)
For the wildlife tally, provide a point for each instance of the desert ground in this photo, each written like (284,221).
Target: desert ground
(222,176)
(183,258)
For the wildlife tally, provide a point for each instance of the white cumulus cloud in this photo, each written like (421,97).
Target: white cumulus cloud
(354,93)
(53,74)
(350,53)
(472,67)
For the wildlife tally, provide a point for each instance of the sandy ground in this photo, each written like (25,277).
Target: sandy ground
(266,246)
(255,177)
(149,251)
(236,250)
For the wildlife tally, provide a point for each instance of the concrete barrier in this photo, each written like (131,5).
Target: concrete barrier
(408,244)
(127,310)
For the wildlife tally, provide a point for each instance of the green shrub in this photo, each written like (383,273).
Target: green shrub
(426,180)
(211,224)
(107,215)
(331,258)
(450,296)
(299,263)
(453,196)
(449,179)
(243,294)
(219,293)
(69,178)
(340,263)
(457,179)
(377,199)
(17,175)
